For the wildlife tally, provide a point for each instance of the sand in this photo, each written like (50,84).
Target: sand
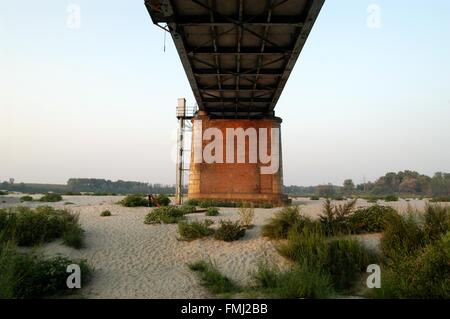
(134,260)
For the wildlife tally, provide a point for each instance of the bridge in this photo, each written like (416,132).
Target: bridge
(238,56)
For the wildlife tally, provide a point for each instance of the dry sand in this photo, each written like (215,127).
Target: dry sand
(134,260)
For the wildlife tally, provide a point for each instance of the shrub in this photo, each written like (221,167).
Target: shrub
(134,201)
(279,225)
(29,227)
(187,209)
(216,203)
(346,259)
(73,236)
(246,215)
(192,202)
(424,275)
(440,199)
(308,247)
(195,229)
(163,200)
(299,282)
(391,198)
(265,205)
(342,259)
(334,218)
(370,219)
(51,198)
(166,215)
(105,213)
(212,211)
(229,231)
(26,198)
(402,236)
(212,279)
(314,198)
(436,221)
(25,275)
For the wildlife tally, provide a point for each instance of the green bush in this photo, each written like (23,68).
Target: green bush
(391,198)
(192,202)
(308,247)
(25,275)
(28,227)
(212,211)
(346,260)
(423,275)
(440,199)
(26,198)
(278,226)
(51,198)
(229,231)
(73,236)
(264,205)
(163,200)
(166,215)
(134,201)
(370,219)
(402,236)
(105,213)
(187,209)
(342,259)
(436,221)
(217,203)
(335,218)
(195,229)
(212,279)
(299,282)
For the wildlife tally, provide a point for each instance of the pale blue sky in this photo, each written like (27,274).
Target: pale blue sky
(100,101)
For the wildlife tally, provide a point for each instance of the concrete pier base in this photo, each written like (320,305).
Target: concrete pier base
(240,179)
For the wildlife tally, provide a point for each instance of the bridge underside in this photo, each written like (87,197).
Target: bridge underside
(238,56)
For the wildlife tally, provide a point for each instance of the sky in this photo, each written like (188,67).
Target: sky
(369,94)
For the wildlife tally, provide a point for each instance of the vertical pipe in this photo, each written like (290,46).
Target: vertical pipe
(179,176)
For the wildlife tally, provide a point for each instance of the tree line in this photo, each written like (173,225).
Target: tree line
(401,183)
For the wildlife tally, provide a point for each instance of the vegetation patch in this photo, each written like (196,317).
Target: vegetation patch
(195,229)
(391,198)
(278,227)
(105,213)
(134,201)
(212,211)
(28,227)
(229,231)
(51,198)
(335,218)
(26,198)
(299,282)
(246,214)
(27,275)
(166,215)
(212,279)
(370,219)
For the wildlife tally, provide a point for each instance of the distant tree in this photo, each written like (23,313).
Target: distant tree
(11,181)
(326,190)
(349,186)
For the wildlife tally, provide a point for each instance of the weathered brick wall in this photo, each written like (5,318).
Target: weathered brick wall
(235,181)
